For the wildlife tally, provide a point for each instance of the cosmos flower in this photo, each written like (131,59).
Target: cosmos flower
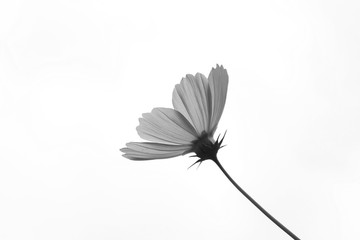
(189,127)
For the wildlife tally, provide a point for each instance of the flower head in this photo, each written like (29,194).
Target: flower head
(189,127)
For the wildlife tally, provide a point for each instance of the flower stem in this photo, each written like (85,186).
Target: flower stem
(255,203)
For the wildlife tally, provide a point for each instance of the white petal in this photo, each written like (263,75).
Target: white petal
(149,151)
(218,82)
(166,125)
(191,98)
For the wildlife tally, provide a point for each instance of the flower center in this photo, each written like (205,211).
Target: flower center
(206,147)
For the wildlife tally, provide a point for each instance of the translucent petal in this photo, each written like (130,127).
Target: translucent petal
(166,125)
(191,99)
(149,151)
(218,82)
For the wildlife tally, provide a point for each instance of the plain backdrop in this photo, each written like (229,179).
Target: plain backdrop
(75,76)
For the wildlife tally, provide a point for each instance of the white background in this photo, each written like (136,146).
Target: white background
(76,75)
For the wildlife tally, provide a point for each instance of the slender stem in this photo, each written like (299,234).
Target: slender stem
(255,203)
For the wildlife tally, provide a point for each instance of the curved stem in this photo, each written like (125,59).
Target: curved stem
(255,203)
